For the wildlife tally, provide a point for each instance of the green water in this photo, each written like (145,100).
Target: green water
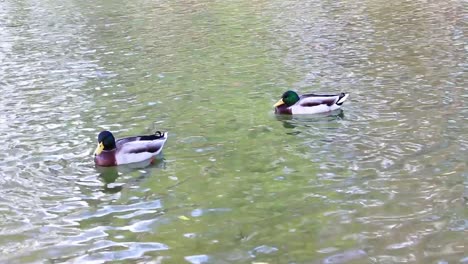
(382,181)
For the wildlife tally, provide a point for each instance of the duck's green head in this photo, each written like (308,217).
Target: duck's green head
(106,141)
(289,98)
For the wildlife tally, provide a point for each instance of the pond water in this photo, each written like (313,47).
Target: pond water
(382,181)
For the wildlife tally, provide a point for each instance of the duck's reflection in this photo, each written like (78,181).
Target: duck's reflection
(290,121)
(109,175)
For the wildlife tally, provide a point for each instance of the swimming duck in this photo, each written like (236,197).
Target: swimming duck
(127,150)
(293,104)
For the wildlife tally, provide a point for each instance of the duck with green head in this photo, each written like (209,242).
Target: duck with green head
(293,104)
(110,152)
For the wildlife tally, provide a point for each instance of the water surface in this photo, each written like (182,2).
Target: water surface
(382,181)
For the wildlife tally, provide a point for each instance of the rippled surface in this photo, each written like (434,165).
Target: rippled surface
(383,181)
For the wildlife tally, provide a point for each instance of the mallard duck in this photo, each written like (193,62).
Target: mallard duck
(293,104)
(127,150)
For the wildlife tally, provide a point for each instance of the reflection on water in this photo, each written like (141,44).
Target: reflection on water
(109,175)
(383,180)
(290,121)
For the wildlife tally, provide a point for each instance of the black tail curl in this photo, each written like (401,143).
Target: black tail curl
(339,98)
(159,134)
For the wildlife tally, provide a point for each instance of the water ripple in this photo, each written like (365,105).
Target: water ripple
(383,180)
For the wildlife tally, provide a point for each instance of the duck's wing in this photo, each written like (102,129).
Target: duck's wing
(310,100)
(141,148)
(151,144)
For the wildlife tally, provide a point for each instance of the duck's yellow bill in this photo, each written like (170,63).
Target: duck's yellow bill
(280,102)
(99,149)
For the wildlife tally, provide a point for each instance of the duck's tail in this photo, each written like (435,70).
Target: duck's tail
(158,134)
(342,98)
